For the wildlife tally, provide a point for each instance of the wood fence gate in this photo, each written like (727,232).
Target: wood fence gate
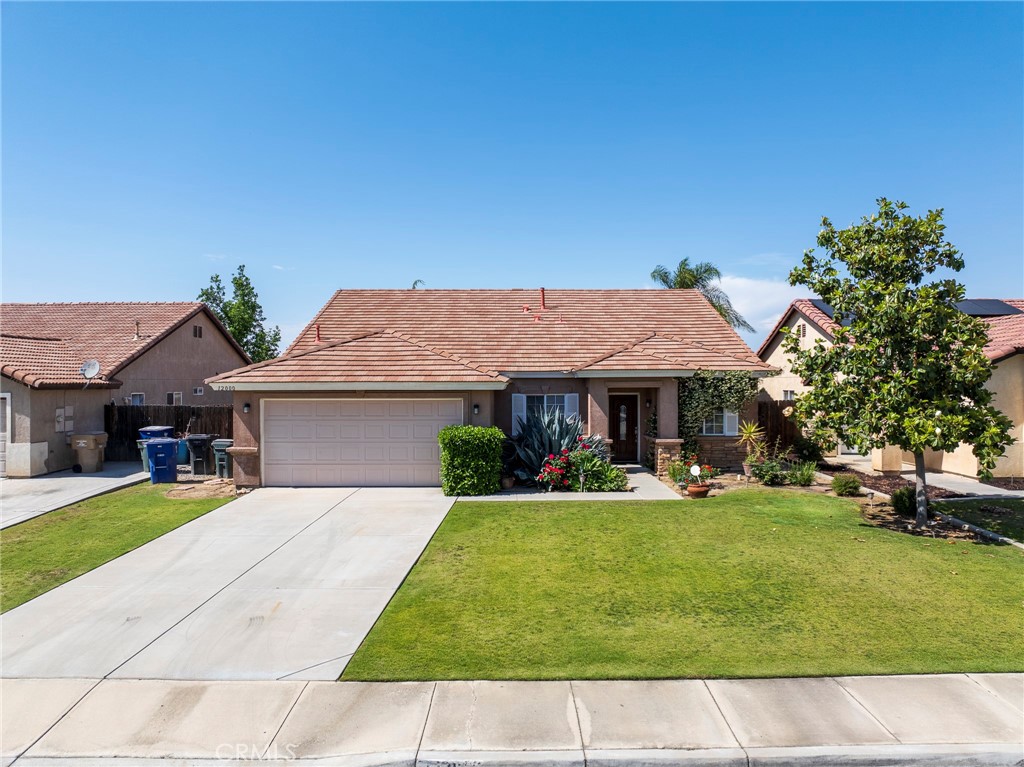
(774,422)
(122,424)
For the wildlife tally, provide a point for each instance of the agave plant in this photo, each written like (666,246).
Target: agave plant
(547,433)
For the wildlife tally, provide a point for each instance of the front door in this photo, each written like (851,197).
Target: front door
(623,427)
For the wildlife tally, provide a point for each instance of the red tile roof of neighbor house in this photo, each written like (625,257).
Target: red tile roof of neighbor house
(44,345)
(1005,333)
(467,335)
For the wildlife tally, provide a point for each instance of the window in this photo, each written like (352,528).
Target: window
(197,331)
(535,404)
(721,423)
(538,404)
(197,391)
(138,398)
(788,395)
(174,398)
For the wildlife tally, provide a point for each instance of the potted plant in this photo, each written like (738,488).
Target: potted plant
(696,476)
(751,436)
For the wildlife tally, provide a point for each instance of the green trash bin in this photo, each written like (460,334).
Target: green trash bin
(141,444)
(221,458)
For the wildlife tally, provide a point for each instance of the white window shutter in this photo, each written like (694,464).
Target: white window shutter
(518,412)
(572,404)
(731,423)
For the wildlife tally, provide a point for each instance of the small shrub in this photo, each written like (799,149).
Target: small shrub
(591,474)
(802,474)
(769,472)
(470,459)
(806,449)
(681,472)
(904,502)
(846,484)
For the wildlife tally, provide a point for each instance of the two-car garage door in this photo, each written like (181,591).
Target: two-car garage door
(354,442)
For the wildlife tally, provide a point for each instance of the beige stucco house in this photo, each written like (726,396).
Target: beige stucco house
(148,353)
(360,395)
(810,320)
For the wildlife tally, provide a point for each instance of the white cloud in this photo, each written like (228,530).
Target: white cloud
(215,256)
(761,302)
(284,268)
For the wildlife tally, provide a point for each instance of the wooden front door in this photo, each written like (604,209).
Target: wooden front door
(623,427)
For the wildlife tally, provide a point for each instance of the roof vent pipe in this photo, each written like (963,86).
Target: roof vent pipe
(318,332)
(536,318)
(137,335)
(526,308)
(542,304)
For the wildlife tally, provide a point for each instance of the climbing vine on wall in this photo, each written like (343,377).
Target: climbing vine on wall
(706,390)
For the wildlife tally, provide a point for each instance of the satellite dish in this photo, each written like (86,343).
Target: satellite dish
(89,369)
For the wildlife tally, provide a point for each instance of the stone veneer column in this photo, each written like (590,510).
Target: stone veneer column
(665,452)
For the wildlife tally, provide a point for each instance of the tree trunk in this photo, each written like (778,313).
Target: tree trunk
(921,491)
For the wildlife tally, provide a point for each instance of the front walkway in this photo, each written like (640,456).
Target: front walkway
(281,583)
(951,482)
(643,486)
(22,499)
(885,720)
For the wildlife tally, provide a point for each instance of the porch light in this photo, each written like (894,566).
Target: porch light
(476,410)
(246,407)
(647,402)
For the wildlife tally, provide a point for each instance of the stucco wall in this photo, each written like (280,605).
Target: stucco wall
(36,446)
(181,362)
(776,385)
(1007,387)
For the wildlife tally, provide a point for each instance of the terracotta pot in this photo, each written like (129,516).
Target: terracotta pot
(507,483)
(698,491)
(746,469)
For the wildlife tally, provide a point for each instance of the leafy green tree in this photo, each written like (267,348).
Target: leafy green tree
(242,315)
(906,368)
(703,277)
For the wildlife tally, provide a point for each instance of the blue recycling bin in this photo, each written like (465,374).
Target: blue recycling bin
(182,451)
(163,460)
(149,432)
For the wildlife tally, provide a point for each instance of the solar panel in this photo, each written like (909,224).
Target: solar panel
(987,307)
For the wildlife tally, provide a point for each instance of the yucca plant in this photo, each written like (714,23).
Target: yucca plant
(549,433)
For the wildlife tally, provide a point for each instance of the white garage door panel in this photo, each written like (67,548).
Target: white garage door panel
(355,442)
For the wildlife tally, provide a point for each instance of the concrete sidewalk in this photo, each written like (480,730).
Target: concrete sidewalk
(22,499)
(949,719)
(955,484)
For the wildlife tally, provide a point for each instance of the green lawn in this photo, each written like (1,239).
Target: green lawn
(1011,525)
(751,583)
(51,549)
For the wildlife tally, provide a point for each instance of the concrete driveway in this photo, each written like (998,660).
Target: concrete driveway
(22,499)
(281,584)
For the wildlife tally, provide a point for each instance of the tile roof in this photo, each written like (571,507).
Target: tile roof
(509,332)
(1005,334)
(44,345)
(386,357)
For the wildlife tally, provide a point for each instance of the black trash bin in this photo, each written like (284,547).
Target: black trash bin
(199,449)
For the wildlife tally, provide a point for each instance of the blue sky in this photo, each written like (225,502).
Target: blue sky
(147,146)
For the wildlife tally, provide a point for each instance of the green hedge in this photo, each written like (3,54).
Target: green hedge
(470,459)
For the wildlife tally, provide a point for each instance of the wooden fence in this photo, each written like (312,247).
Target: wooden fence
(774,422)
(122,424)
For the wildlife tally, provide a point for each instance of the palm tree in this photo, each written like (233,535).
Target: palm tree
(704,278)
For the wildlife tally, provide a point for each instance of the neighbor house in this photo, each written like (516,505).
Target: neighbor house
(810,321)
(360,395)
(147,353)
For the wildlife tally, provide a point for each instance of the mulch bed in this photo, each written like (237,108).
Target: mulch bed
(1006,483)
(885,484)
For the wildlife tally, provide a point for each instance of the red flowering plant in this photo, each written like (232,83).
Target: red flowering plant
(681,472)
(554,475)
